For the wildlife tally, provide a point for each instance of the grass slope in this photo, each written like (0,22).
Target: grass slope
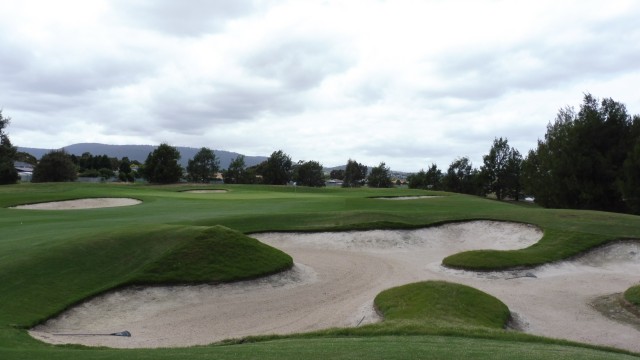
(442,304)
(51,260)
(216,255)
(632,295)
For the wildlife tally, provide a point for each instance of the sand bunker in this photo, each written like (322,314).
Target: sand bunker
(80,204)
(408,197)
(205,191)
(337,276)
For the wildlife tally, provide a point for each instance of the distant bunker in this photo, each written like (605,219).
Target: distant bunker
(407,197)
(206,191)
(79,204)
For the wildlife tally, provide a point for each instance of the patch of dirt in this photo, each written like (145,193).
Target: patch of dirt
(93,203)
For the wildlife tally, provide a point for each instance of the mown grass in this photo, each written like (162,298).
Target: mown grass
(216,255)
(51,260)
(440,303)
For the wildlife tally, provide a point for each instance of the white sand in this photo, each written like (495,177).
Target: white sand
(93,203)
(206,191)
(337,276)
(408,197)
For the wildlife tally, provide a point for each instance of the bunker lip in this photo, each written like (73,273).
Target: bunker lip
(79,204)
(337,276)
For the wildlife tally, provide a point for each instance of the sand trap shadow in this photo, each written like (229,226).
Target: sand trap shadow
(620,256)
(92,203)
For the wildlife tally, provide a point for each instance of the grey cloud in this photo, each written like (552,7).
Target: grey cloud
(481,74)
(402,148)
(75,80)
(185,18)
(220,104)
(22,70)
(371,90)
(299,64)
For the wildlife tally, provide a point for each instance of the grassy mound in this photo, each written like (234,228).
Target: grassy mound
(218,254)
(441,304)
(555,245)
(632,295)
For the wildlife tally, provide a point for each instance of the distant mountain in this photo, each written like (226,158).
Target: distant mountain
(140,153)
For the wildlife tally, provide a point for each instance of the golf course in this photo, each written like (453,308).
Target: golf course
(285,272)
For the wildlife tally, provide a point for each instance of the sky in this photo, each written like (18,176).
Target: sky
(408,83)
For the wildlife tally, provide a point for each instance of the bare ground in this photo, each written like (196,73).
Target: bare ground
(337,276)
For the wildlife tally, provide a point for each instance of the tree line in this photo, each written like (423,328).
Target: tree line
(589,159)
(500,174)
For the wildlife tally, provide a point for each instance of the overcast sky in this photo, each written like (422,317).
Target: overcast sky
(409,83)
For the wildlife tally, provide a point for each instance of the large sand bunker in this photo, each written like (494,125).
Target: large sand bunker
(337,276)
(93,203)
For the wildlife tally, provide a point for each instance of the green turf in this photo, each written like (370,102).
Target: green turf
(50,260)
(387,347)
(632,295)
(441,304)
(216,255)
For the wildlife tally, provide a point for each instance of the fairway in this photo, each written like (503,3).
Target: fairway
(53,260)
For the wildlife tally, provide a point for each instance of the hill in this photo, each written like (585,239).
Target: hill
(140,152)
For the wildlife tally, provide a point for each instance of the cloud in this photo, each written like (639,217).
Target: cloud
(216,104)
(405,82)
(298,64)
(175,18)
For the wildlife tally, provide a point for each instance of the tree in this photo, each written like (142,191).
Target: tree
(380,177)
(501,169)
(513,181)
(161,166)
(26,158)
(55,166)
(354,174)
(461,177)
(337,174)
(276,169)
(309,173)
(203,167)
(8,172)
(581,161)
(417,180)
(124,170)
(630,184)
(430,179)
(235,173)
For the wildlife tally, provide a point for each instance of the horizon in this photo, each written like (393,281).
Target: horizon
(22,148)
